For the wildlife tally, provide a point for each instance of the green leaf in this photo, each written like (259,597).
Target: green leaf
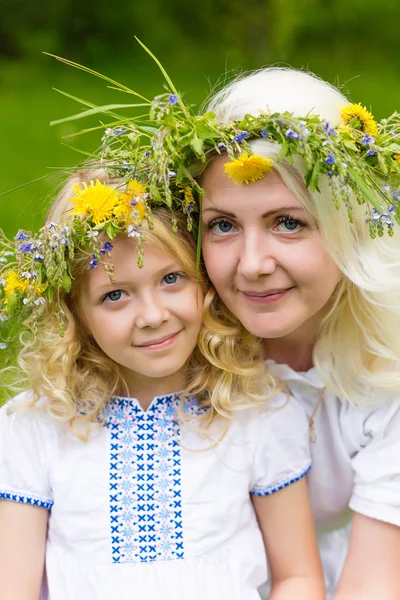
(96,74)
(197,145)
(366,189)
(283,151)
(95,111)
(206,132)
(66,282)
(110,231)
(312,176)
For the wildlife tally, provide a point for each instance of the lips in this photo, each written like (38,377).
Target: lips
(265,293)
(157,341)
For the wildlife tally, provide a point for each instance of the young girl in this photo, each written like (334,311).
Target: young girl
(127,470)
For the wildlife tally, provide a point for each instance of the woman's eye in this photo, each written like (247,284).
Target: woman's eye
(172,278)
(113,296)
(220,226)
(289,224)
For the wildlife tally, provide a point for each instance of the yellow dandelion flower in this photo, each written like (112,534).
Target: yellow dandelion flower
(248,168)
(14,283)
(97,200)
(358,117)
(397,158)
(136,188)
(125,210)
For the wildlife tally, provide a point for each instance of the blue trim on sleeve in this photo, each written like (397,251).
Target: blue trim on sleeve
(26,499)
(271,489)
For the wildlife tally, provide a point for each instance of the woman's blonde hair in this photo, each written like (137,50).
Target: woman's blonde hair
(77,378)
(359,341)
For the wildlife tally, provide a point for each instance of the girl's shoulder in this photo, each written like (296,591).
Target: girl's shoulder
(24,417)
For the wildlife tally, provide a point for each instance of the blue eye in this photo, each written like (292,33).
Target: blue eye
(220,226)
(172,278)
(113,296)
(290,224)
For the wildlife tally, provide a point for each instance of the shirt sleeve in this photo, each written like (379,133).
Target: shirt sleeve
(376,490)
(24,456)
(281,453)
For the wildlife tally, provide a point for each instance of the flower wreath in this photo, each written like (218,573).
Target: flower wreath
(152,155)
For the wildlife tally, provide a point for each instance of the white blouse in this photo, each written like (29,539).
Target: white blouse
(149,509)
(356,463)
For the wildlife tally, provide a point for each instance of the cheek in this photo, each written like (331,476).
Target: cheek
(318,272)
(102,328)
(219,263)
(191,305)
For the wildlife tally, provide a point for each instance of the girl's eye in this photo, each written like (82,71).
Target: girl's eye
(220,226)
(113,296)
(172,278)
(289,224)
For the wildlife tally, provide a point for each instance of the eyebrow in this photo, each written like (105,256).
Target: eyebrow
(263,216)
(169,268)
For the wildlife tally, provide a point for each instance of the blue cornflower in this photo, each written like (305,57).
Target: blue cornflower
(221,146)
(189,207)
(326,126)
(27,247)
(292,134)
(94,262)
(367,139)
(264,133)
(171,174)
(241,136)
(371,152)
(21,235)
(147,153)
(173,99)
(39,257)
(330,159)
(107,247)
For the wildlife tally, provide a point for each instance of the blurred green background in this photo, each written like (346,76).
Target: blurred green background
(351,43)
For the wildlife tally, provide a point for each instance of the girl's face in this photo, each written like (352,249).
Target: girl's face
(149,320)
(267,263)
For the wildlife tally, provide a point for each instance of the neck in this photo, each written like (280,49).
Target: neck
(282,351)
(294,349)
(145,389)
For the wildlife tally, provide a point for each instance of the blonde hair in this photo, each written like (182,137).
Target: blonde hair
(77,378)
(358,342)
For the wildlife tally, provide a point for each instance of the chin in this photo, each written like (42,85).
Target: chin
(270,330)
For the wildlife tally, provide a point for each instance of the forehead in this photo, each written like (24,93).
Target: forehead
(266,194)
(124,258)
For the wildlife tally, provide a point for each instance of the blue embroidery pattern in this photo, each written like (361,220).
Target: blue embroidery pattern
(145,480)
(26,499)
(271,489)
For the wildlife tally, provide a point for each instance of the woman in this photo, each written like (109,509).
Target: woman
(325,297)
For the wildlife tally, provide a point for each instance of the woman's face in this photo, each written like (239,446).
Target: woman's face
(267,263)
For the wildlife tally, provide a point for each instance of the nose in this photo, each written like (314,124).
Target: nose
(152,311)
(256,256)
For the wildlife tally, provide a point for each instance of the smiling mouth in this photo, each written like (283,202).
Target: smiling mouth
(160,343)
(267,296)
